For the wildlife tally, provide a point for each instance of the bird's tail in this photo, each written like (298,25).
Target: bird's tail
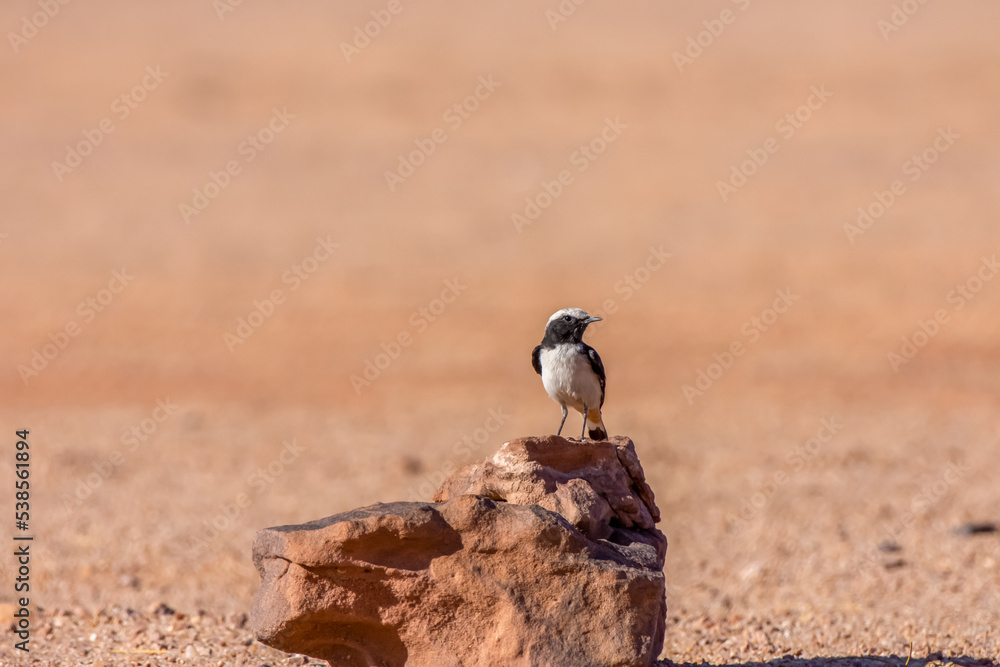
(595,425)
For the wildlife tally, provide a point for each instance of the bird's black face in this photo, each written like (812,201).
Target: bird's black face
(568,327)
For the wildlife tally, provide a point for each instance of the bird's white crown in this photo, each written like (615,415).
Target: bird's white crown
(577,313)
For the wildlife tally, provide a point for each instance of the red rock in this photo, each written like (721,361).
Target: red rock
(597,485)
(545,554)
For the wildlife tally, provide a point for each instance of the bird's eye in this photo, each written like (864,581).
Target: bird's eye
(567,318)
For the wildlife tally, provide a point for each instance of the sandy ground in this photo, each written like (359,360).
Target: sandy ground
(197,287)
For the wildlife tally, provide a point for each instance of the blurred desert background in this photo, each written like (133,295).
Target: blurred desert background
(844,545)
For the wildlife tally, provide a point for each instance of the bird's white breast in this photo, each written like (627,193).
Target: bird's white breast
(568,377)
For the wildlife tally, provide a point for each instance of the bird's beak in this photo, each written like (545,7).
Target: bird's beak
(591,319)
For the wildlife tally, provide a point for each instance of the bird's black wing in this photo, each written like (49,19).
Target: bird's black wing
(536,359)
(598,367)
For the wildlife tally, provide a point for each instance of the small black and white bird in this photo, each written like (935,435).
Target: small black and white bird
(571,370)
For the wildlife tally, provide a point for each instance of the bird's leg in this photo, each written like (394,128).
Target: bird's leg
(584,431)
(563,422)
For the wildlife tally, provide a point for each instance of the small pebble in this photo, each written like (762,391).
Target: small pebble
(977,528)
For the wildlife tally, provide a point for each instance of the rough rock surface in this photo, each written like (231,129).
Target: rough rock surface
(599,487)
(544,554)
